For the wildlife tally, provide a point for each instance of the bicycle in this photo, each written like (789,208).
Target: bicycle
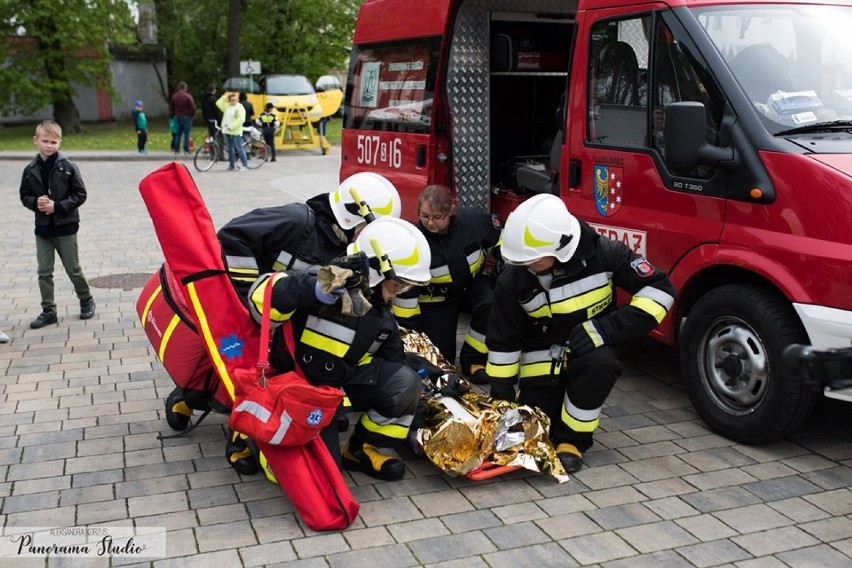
(209,151)
(257,151)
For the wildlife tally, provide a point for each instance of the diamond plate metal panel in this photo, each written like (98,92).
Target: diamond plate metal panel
(468,83)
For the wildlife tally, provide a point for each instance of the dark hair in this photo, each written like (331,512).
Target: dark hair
(438,196)
(243,96)
(269,106)
(211,88)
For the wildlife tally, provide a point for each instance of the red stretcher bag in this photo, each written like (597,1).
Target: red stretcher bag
(173,333)
(307,474)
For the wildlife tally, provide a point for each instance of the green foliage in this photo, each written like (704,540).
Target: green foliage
(308,37)
(49,45)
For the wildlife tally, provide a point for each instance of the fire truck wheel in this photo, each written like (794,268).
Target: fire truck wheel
(731,359)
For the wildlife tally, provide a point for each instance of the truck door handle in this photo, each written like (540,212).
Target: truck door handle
(421,155)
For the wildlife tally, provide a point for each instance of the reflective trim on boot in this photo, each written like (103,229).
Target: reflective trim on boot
(371,461)
(570,457)
(178,413)
(241,453)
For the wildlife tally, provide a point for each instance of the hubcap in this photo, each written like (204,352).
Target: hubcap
(735,364)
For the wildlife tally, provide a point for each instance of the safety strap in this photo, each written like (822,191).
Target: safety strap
(263,356)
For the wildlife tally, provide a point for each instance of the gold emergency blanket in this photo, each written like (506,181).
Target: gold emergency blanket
(464,432)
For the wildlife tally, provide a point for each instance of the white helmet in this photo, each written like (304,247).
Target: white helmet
(400,243)
(378,193)
(540,226)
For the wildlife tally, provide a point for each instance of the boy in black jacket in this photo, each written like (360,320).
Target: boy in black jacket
(52,187)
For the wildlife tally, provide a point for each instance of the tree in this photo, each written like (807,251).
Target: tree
(307,37)
(49,48)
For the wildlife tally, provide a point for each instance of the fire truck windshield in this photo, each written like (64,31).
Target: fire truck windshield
(794,62)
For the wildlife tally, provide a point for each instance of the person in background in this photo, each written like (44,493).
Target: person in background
(53,189)
(173,129)
(233,116)
(268,123)
(183,107)
(249,106)
(140,123)
(555,324)
(210,111)
(460,240)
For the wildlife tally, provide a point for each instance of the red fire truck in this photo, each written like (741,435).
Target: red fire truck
(712,136)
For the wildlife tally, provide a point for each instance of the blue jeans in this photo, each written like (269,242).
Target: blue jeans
(234,143)
(184,126)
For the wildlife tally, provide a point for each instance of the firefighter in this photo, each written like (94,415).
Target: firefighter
(296,236)
(364,355)
(460,240)
(555,325)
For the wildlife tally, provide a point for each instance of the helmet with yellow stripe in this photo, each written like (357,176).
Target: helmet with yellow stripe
(363,197)
(540,226)
(397,250)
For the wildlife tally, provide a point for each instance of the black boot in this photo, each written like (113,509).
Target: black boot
(358,456)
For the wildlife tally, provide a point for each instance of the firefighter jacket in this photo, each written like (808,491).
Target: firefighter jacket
(64,186)
(533,314)
(330,350)
(268,121)
(458,256)
(296,236)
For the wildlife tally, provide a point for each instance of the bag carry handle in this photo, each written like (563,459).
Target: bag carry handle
(263,356)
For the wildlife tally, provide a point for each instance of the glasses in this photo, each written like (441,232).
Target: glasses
(435,218)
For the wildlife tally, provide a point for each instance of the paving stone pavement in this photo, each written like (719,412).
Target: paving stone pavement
(81,405)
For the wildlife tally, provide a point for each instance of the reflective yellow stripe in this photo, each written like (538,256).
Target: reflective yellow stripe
(476,264)
(323,343)
(582,301)
(402,312)
(257,299)
(234,270)
(389,430)
(649,306)
(502,371)
(168,335)
(212,349)
(431,299)
(445,279)
(477,345)
(366,359)
(579,419)
(149,302)
(542,312)
(539,370)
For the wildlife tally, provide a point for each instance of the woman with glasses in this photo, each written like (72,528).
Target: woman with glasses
(460,239)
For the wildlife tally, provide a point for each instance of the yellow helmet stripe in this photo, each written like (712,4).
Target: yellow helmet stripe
(384,209)
(531,241)
(410,260)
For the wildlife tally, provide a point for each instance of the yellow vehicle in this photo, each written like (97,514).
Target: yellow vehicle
(300,109)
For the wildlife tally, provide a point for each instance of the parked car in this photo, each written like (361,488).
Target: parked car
(329,83)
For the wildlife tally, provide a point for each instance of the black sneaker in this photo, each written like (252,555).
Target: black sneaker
(46,317)
(87,309)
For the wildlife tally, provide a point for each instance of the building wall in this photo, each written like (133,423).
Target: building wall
(132,78)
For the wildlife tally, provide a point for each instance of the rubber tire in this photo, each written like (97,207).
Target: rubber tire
(764,321)
(257,153)
(206,156)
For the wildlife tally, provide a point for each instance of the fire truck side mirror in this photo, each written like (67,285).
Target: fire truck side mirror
(685,144)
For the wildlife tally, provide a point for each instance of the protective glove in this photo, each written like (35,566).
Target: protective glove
(359,264)
(452,385)
(502,389)
(327,298)
(587,337)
